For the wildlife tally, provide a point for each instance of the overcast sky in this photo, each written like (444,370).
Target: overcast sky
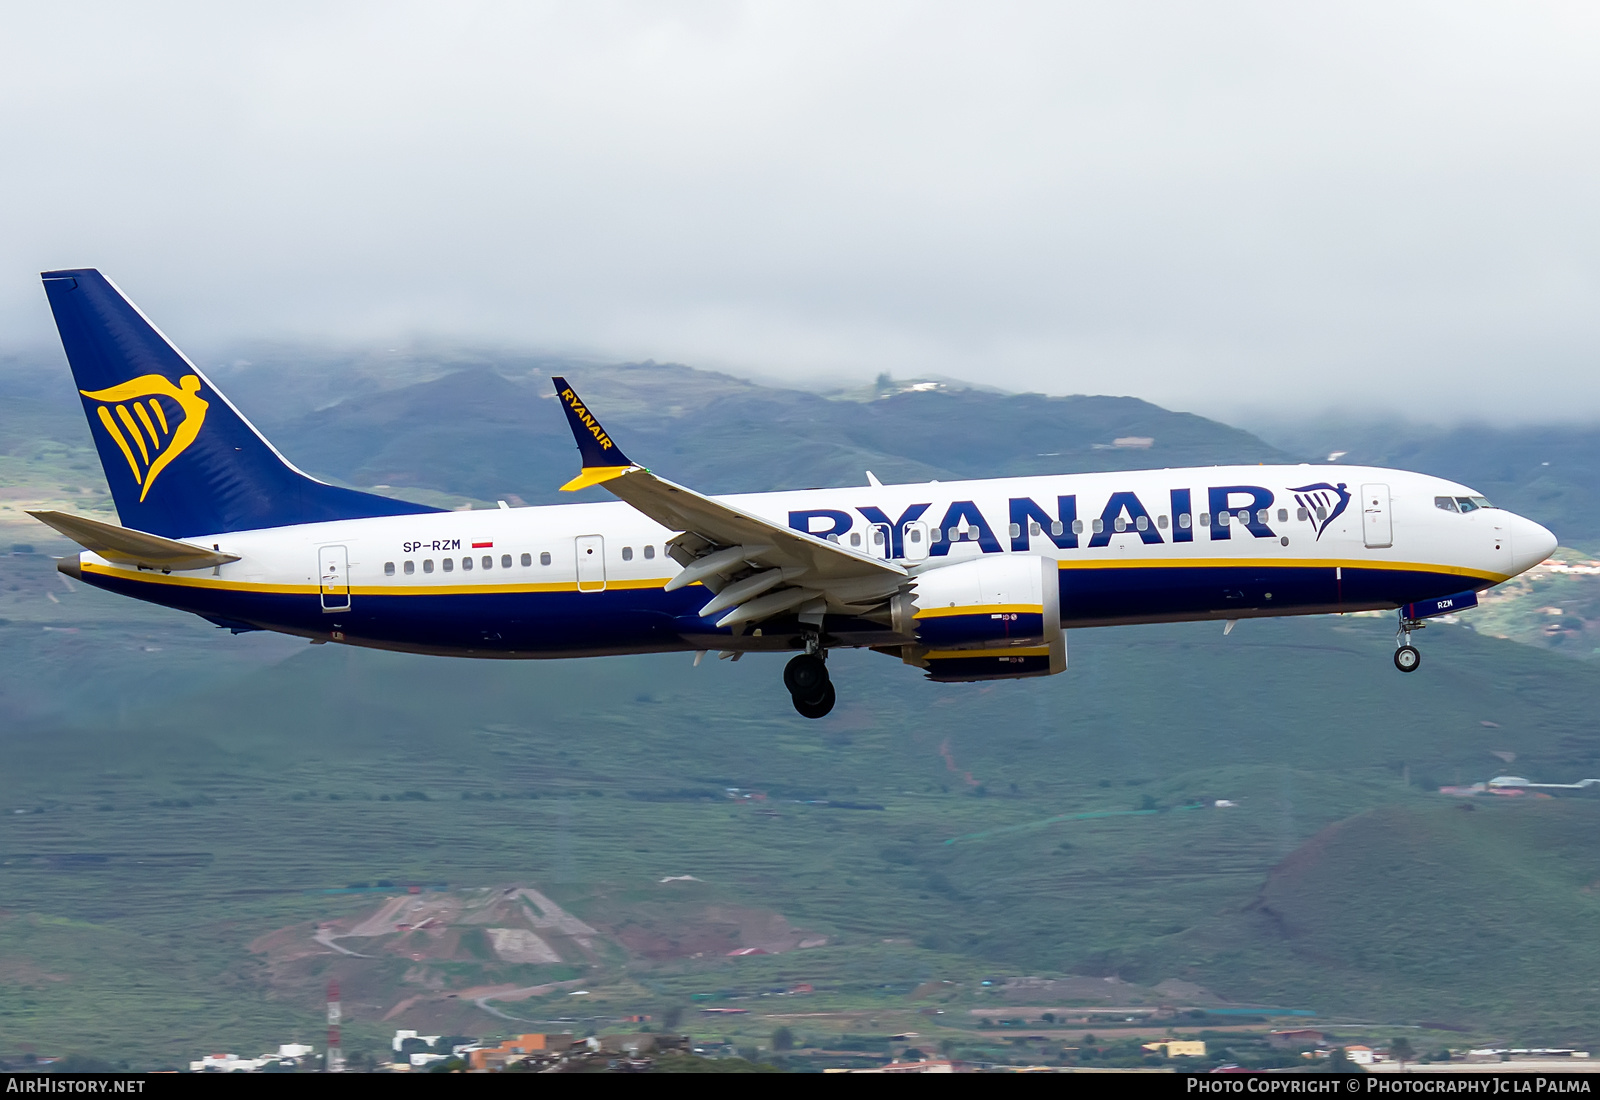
(1217,206)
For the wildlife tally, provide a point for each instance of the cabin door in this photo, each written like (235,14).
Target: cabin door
(334,569)
(1376,528)
(591,563)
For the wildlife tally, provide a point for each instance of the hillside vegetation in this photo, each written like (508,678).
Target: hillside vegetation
(174,794)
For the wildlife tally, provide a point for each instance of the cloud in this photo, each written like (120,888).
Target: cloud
(1220,207)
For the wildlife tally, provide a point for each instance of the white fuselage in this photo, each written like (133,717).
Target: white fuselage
(1136,546)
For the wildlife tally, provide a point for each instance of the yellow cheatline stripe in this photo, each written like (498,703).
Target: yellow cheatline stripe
(1281,563)
(122,444)
(1014,651)
(594,475)
(984,609)
(149,577)
(133,430)
(145,576)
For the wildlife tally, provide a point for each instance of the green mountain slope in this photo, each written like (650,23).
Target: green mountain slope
(171,793)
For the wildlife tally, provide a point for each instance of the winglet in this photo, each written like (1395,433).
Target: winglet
(602,458)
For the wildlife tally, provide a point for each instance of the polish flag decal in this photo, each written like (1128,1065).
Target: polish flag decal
(482,545)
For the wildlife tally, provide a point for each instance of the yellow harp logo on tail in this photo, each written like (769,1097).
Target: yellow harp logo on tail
(151,421)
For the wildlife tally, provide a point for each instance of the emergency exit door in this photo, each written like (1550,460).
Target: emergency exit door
(1376,528)
(591,563)
(914,541)
(334,568)
(880,541)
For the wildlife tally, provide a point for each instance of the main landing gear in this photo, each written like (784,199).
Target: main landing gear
(1406,657)
(806,677)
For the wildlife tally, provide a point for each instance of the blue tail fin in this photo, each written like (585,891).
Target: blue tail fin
(180,459)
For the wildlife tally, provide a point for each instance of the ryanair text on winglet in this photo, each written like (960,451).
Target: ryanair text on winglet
(589,422)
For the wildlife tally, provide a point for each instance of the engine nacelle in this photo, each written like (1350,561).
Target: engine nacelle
(997,617)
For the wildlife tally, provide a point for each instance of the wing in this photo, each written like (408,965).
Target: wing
(755,568)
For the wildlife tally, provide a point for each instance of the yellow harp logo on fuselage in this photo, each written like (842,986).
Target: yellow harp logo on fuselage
(151,421)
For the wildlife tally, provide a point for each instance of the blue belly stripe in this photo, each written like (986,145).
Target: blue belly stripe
(632,620)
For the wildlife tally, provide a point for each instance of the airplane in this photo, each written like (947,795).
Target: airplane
(965,580)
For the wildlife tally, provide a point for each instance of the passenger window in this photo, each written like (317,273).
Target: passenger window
(1184,521)
(1142,523)
(448,563)
(1077,527)
(649,552)
(1119,524)
(1301,514)
(1099,526)
(1322,513)
(955,534)
(1262,516)
(411,567)
(835,539)
(1283,515)
(877,536)
(488,561)
(1055,528)
(1016,530)
(427,564)
(466,563)
(1034,528)
(627,553)
(1223,518)
(388,569)
(1161,522)
(527,559)
(935,535)
(1205,519)
(544,558)
(914,533)
(505,561)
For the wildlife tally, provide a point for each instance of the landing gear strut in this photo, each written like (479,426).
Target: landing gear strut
(1406,657)
(806,677)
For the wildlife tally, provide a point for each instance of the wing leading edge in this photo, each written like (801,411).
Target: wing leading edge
(756,569)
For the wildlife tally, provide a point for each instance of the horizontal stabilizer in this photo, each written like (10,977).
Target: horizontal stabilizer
(137,548)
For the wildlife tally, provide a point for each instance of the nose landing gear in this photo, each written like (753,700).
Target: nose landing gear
(806,677)
(1406,657)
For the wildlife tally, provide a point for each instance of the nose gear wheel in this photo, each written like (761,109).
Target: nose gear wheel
(1406,656)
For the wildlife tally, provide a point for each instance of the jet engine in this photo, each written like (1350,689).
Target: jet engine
(997,617)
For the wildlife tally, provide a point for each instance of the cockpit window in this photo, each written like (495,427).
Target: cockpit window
(1472,504)
(1447,503)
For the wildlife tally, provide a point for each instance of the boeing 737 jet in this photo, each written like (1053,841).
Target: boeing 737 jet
(964,580)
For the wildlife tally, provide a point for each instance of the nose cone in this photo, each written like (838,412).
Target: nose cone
(1530,543)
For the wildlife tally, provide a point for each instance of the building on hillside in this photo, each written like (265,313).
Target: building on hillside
(1295,1038)
(1178,1048)
(227,1063)
(933,1066)
(400,1038)
(516,1049)
(1361,1055)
